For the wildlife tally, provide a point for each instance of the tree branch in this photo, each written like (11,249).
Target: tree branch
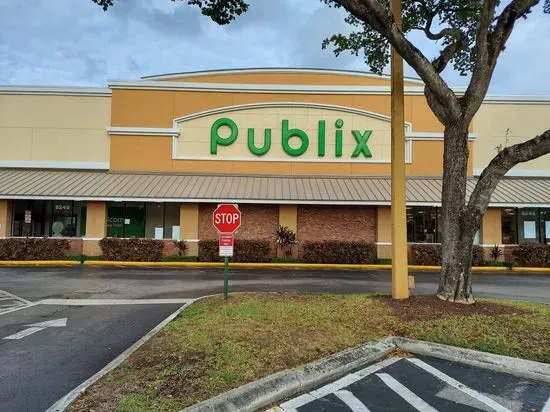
(505,24)
(489,45)
(500,165)
(481,73)
(448,52)
(380,19)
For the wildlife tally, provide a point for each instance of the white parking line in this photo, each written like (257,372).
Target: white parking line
(337,385)
(94,302)
(410,397)
(546,407)
(16,303)
(14,297)
(461,387)
(351,401)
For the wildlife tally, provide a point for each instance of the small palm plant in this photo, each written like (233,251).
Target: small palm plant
(495,253)
(182,247)
(286,238)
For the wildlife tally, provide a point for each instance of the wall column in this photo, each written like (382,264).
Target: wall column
(5,218)
(288,216)
(491,228)
(383,232)
(189,227)
(96,228)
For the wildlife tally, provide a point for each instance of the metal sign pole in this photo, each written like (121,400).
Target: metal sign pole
(226,277)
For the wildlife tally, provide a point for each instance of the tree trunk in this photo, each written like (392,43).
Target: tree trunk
(458,230)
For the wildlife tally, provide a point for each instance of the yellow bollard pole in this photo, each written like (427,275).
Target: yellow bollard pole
(400,280)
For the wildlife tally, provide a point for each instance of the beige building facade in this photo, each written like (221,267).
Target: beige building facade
(307,149)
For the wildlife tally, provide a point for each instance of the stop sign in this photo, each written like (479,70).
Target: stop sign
(227,218)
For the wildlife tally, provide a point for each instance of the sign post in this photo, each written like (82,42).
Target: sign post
(226,219)
(226,250)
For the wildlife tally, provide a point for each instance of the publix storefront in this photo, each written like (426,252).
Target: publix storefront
(303,148)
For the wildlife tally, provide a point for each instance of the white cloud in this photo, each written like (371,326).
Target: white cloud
(75,42)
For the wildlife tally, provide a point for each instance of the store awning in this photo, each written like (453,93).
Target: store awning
(212,188)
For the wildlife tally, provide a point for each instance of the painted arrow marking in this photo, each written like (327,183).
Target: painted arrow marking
(37,327)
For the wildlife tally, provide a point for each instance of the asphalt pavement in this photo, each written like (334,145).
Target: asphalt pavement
(61,325)
(40,368)
(35,283)
(424,384)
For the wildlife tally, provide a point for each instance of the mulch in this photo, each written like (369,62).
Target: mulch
(430,307)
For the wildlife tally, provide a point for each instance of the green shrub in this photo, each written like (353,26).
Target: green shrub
(83,258)
(510,265)
(132,250)
(430,255)
(180,259)
(286,260)
(383,261)
(478,256)
(425,255)
(339,252)
(492,263)
(34,249)
(532,255)
(253,251)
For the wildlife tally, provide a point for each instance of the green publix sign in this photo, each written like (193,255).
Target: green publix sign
(361,139)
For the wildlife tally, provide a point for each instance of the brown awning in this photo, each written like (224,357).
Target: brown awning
(113,186)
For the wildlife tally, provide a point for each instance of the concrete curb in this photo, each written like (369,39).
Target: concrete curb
(286,384)
(273,388)
(238,265)
(499,363)
(63,403)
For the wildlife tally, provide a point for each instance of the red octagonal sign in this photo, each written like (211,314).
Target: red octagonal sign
(227,218)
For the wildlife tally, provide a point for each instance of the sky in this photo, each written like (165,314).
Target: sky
(74,42)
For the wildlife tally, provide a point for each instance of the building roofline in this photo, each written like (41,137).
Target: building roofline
(510,98)
(263,88)
(356,73)
(57,90)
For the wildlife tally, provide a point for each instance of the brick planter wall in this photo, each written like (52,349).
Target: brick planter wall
(344,223)
(169,248)
(75,247)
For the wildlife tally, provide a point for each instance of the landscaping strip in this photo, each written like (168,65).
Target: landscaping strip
(290,382)
(215,346)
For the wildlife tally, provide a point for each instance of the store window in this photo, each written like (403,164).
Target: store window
(126,219)
(509,226)
(525,225)
(528,225)
(162,221)
(46,218)
(151,220)
(545,225)
(422,225)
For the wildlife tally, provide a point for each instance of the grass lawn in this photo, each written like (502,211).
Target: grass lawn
(214,346)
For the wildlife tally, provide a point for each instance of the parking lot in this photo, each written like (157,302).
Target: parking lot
(61,325)
(46,350)
(424,384)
